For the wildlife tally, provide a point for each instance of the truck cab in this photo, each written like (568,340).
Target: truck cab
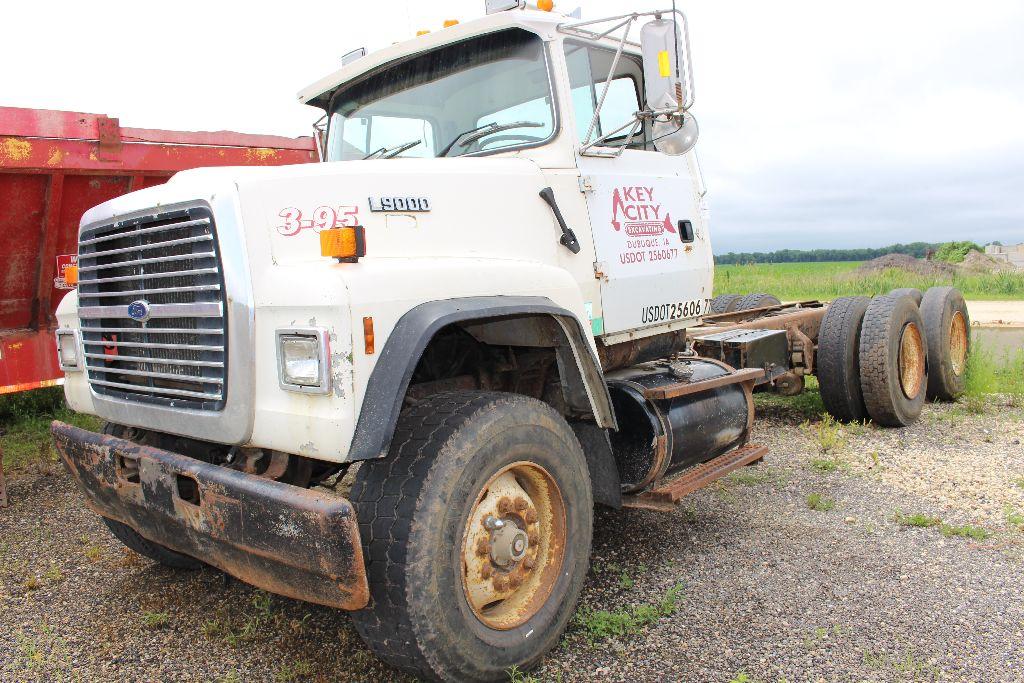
(508,219)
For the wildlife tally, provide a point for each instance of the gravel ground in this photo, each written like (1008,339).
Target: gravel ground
(768,588)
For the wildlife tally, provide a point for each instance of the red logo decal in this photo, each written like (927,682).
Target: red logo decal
(642,216)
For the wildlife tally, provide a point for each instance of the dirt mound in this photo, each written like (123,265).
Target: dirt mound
(984,263)
(907,263)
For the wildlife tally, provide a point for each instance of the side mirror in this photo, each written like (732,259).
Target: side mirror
(668,85)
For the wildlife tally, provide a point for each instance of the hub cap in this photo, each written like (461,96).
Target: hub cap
(911,361)
(958,343)
(513,545)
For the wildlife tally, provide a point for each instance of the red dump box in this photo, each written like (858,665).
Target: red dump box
(54,165)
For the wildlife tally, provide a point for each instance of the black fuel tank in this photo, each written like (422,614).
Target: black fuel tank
(657,436)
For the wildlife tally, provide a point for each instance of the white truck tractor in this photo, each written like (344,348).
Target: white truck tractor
(494,295)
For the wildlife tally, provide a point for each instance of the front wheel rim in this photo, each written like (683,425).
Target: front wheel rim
(513,546)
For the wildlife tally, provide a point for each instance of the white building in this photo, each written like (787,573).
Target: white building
(1013,254)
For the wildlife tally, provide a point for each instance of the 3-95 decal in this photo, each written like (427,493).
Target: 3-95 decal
(679,310)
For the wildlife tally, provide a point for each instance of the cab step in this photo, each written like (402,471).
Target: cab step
(665,497)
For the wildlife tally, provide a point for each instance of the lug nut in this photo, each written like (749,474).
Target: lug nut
(520,504)
(505,505)
(530,516)
(533,538)
(486,571)
(529,563)
(492,523)
(482,547)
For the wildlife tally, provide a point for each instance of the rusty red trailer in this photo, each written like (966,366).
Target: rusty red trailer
(54,165)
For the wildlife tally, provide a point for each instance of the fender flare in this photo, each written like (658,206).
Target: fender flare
(389,380)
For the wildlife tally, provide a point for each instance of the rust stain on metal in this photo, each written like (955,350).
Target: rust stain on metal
(13,149)
(666,496)
(285,539)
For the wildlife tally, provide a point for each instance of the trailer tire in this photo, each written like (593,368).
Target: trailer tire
(893,361)
(419,511)
(913,292)
(838,359)
(757,301)
(724,303)
(948,329)
(133,540)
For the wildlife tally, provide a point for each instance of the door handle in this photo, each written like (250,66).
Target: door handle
(685,231)
(568,239)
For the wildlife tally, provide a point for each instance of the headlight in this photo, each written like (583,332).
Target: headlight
(67,351)
(302,360)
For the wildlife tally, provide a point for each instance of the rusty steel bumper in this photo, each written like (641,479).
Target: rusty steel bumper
(281,538)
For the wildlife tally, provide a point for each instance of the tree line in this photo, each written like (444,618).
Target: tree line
(915,249)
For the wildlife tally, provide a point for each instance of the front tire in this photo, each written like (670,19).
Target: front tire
(476,529)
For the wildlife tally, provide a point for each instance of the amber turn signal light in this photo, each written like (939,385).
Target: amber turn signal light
(368,334)
(71,275)
(345,244)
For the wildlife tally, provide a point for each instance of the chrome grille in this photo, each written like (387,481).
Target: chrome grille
(170,261)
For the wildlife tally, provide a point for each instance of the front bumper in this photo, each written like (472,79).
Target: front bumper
(281,538)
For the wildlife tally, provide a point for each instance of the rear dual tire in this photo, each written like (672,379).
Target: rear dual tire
(893,361)
(948,326)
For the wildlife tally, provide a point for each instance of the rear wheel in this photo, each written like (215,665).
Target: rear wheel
(476,528)
(724,303)
(947,326)
(893,361)
(758,300)
(838,359)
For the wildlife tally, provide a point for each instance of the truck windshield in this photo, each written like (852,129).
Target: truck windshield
(487,94)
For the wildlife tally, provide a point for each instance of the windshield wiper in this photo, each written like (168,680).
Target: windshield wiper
(390,152)
(474,134)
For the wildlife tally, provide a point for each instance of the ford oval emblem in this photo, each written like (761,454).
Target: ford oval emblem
(139,310)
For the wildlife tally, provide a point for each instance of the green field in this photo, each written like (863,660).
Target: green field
(828,280)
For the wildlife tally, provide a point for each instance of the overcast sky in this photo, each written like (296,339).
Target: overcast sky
(823,124)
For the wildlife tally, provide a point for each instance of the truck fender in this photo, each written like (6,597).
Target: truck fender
(389,380)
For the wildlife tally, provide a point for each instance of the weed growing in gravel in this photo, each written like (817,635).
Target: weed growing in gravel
(821,503)
(155,620)
(517,675)
(1019,482)
(1013,517)
(916,519)
(966,531)
(908,663)
(598,625)
(294,671)
(827,432)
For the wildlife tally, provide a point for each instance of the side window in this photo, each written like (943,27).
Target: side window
(588,71)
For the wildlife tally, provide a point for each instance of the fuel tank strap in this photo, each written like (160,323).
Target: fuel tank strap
(684,388)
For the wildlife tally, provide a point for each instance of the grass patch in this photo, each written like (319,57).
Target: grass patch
(298,670)
(597,625)
(989,374)
(831,279)
(25,426)
(155,620)
(916,519)
(820,503)
(966,531)
(1013,517)
(805,406)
